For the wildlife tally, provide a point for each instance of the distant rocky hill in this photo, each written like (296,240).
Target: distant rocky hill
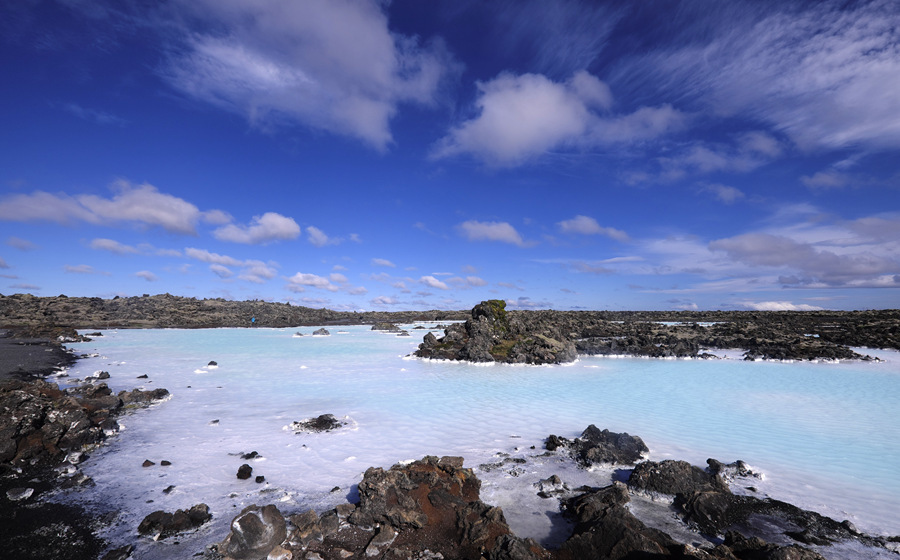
(168,311)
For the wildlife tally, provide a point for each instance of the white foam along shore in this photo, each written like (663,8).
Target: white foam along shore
(405,409)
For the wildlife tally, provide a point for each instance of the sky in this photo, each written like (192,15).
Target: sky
(366,155)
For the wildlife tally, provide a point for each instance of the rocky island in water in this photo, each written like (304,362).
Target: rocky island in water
(430,508)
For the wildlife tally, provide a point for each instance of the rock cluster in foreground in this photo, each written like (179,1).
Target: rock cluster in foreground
(431,509)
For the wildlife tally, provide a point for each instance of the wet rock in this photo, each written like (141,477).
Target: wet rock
(19,494)
(597,446)
(674,477)
(321,332)
(255,532)
(244,471)
(212,363)
(322,423)
(730,471)
(386,327)
(140,397)
(161,524)
(604,528)
(147,463)
(551,487)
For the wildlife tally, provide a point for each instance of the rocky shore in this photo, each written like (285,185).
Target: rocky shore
(46,433)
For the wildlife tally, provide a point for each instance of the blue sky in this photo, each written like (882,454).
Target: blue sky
(422,155)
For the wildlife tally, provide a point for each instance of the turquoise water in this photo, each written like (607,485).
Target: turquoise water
(825,435)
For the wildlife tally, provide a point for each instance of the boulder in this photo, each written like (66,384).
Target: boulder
(161,524)
(674,477)
(244,471)
(597,446)
(321,332)
(255,532)
(321,423)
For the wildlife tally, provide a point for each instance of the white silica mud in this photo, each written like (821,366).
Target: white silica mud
(824,436)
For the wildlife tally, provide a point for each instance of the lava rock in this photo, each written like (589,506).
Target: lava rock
(674,477)
(597,446)
(161,524)
(255,532)
(322,423)
(244,471)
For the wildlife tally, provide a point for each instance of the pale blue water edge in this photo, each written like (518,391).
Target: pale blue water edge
(825,435)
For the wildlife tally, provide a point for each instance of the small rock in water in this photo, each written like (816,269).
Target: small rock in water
(214,422)
(322,423)
(17,494)
(168,489)
(212,363)
(244,471)
(251,455)
(165,463)
(260,479)
(147,463)
(142,376)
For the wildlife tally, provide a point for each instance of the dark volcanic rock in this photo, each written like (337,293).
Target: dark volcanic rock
(255,532)
(597,446)
(491,335)
(604,528)
(161,524)
(244,471)
(322,423)
(674,477)
(386,327)
(321,332)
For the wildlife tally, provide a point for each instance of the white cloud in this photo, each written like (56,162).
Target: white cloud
(267,228)
(475,281)
(221,271)
(433,282)
(337,278)
(385,300)
(257,272)
(113,247)
(140,204)
(147,275)
(3,263)
(521,117)
(474,230)
(779,306)
(332,65)
(303,279)
(586,225)
(383,262)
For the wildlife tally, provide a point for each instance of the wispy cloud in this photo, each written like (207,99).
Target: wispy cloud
(147,275)
(433,282)
(113,247)
(20,244)
(333,66)
(83,269)
(302,280)
(820,73)
(93,115)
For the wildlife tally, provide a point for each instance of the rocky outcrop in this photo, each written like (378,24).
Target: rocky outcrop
(161,524)
(597,446)
(426,509)
(674,477)
(490,335)
(321,423)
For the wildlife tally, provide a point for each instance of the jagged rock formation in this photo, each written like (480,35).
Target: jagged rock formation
(491,334)
(597,446)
